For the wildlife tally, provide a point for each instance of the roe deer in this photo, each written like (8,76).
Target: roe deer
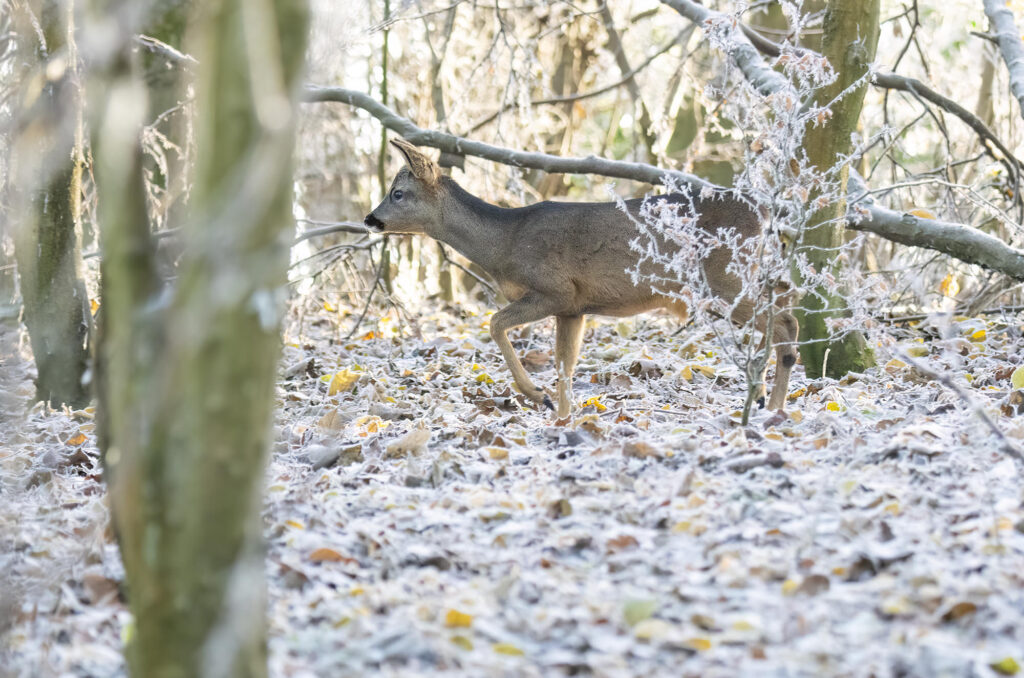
(566,260)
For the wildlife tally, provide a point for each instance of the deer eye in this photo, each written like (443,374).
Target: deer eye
(396,194)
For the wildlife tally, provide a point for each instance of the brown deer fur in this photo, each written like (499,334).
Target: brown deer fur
(566,260)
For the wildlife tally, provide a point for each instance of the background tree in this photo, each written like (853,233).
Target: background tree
(186,389)
(47,164)
(849,42)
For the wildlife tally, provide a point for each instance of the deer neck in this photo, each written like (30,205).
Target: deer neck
(475,228)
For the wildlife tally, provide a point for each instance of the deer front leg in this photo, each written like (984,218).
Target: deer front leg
(528,309)
(787,333)
(568,335)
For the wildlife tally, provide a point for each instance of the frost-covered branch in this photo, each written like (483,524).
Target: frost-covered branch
(917,88)
(743,53)
(957,240)
(449,143)
(1010,46)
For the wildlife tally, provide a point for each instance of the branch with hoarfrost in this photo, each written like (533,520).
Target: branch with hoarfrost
(918,89)
(957,240)
(636,171)
(1010,46)
(764,79)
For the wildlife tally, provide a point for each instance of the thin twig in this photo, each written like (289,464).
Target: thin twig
(1008,447)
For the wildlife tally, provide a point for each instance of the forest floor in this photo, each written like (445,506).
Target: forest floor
(421,521)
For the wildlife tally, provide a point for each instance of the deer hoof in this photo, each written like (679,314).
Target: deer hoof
(547,403)
(760,403)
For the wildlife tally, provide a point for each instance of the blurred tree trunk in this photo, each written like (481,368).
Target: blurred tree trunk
(187,376)
(849,41)
(48,157)
(167,77)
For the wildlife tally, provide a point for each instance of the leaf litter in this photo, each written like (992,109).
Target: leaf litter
(422,519)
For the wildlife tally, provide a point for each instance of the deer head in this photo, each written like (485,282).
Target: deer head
(413,203)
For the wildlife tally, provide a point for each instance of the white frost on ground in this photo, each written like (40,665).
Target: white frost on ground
(422,522)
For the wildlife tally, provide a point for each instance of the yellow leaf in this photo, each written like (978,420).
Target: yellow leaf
(497,453)
(772,435)
(369,335)
(596,402)
(686,373)
(484,378)
(950,286)
(508,649)
(94,306)
(356,591)
(342,381)
(1017,378)
(797,416)
(978,336)
(893,508)
(917,351)
(796,394)
(699,644)
(296,524)
(329,307)
(77,440)
(708,372)
(463,642)
(789,587)
(833,406)
(1007,666)
(922,213)
(454,619)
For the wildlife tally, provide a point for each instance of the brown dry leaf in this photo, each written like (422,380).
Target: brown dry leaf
(328,555)
(958,611)
(99,588)
(413,442)
(641,450)
(622,543)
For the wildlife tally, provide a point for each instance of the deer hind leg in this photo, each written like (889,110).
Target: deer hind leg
(528,309)
(785,332)
(569,334)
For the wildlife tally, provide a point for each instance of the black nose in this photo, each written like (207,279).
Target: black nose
(373,222)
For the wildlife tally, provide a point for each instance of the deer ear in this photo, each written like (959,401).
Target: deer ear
(422,167)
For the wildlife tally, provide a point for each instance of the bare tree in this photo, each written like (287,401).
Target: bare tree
(187,373)
(849,43)
(47,162)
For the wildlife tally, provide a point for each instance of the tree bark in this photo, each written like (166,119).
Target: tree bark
(849,42)
(187,383)
(48,160)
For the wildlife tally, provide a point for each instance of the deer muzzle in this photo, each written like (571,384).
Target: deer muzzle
(373,223)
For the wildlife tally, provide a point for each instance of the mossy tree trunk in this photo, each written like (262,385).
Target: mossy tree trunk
(849,42)
(48,162)
(187,374)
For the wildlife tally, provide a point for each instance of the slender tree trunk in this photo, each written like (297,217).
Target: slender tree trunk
(48,158)
(167,77)
(849,42)
(187,375)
